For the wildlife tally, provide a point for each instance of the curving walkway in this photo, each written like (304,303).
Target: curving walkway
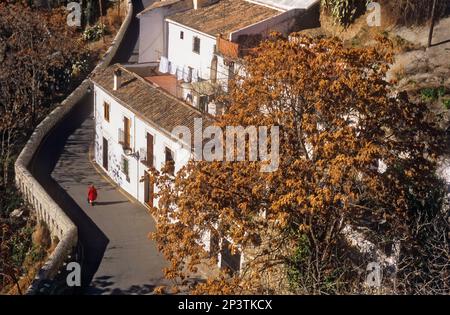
(118,257)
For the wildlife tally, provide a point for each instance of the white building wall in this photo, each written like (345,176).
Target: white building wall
(160,142)
(151,40)
(222,72)
(110,131)
(180,51)
(139,129)
(153,31)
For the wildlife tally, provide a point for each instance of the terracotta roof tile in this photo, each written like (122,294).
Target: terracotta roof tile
(152,104)
(224,17)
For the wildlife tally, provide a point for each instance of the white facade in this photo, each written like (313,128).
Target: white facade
(109,132)
(287,4)
(180,50)
(162,37)
(151,42)
(153,30)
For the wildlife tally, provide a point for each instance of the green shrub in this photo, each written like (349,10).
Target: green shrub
(37,253)
(429,94)
(345,12)
(432,94)
(446,103)
(94,33)
(299,258)
(19,249)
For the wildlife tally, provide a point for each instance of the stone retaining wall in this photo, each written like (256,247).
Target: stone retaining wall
(45,207)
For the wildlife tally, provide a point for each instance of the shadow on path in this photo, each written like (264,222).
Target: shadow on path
(93,241)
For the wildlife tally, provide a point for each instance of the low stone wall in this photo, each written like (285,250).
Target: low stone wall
(46,208)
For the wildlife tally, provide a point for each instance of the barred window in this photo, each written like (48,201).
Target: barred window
(126,168)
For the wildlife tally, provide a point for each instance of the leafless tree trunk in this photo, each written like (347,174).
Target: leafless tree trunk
(433,20)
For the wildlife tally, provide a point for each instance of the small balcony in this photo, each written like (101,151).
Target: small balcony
(184,84)
(245,45)
(145,158)
(167,82)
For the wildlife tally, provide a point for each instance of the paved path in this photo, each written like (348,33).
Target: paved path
(118,256)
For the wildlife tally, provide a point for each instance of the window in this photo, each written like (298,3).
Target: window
(106,110)
(125,167)
(170,162)
(149,157)
(125,133)
(196,45)
(181,35)
(203,103)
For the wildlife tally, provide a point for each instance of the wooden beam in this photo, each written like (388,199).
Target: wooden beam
(433,21)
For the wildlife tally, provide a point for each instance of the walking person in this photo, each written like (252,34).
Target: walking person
(92,194)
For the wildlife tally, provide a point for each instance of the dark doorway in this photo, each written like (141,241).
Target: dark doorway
(229,261)
(148,189)
(105,154)
(149,150)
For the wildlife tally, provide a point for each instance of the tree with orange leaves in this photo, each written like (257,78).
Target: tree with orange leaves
(353,153)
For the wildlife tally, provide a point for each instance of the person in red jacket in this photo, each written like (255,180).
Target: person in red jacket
(92,194)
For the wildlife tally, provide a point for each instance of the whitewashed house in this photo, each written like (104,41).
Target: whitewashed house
(188,51)
(201,42)
(134,120)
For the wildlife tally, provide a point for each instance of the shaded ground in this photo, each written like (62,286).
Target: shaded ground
(426,68)
(118,258)
(432,64)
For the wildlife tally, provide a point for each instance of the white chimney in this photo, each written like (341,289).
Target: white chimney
(197,4)
(117,75)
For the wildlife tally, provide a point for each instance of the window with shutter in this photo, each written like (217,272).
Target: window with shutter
(106,110)
(126,130)
(196,45)
(126,168)
(149,157)
(170,162)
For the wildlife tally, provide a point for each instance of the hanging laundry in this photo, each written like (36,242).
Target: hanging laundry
(179,73)
(194,75)
(187,74)
(163,65)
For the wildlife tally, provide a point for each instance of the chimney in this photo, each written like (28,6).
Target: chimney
(117,75)
(197,4)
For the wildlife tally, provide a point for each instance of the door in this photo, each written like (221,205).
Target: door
(126,130)
(148,189)
(229,261)
(149,150)
(105,154)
